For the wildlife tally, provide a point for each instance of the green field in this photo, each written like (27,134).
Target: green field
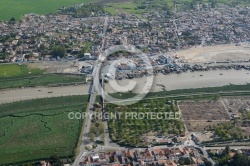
(198,93)
(111,10)
(128,7)
(134,6)
(38,129)
(13,70)
(40,80)
(17,8)
(17,76)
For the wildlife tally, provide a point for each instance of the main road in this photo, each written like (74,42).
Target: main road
(92,98)
(86,127)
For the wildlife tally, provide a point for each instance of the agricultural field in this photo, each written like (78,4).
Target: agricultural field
(110,9)
(235,105)
(38,129)
(199,115)
(126,129)
(182,2)
(143,6)
(239,110)
(226,117)
(128,7)
(41,80)
(17,76)
(16,9)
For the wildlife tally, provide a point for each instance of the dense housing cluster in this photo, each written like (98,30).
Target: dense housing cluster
(152,32)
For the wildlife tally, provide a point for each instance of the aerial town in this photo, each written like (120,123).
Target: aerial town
(157,32)
(213,127)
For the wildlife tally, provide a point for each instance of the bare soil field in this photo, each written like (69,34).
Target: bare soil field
(203,110)
(199,115)
(200,125)
(60,66)
(56,67)
(240,107)
(215,53)
(235,104)
(204,136)
(246,131)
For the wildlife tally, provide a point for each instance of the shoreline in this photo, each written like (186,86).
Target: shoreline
(191,80)
(188,80)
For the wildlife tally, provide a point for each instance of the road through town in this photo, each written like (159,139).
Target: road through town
(87,124)
(92,99)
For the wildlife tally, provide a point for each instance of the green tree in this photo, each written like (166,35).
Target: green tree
(55,160)
(208,163)
(227,149)
(213,3)
(12,20)
(59,51)
(97,124)
(81,55)
(85,49)
(4,56)
(241,160)
(185,161)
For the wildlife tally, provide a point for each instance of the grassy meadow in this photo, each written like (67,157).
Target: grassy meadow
(17,8)
(40,80)
(15,70)
(38,129)
(17,76)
